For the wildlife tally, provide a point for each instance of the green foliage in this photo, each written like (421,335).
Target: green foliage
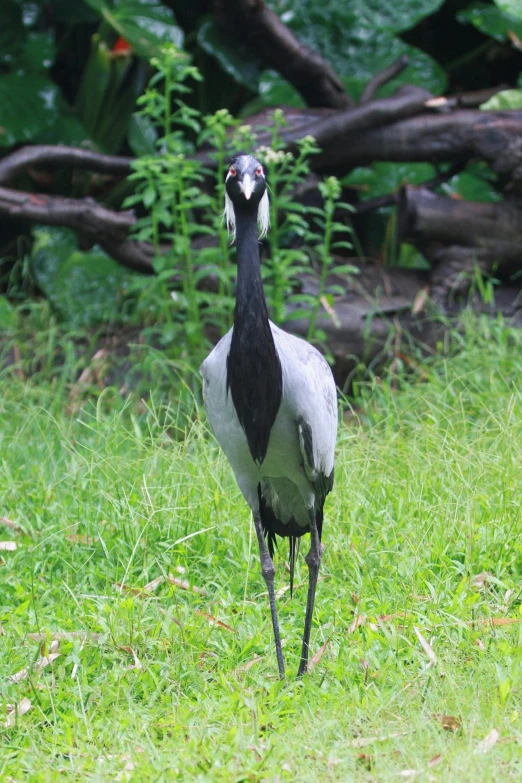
(85,288)
(381,177)
(145,24)
(29,100)
(273,91)
(360,39)
(107,95)
(492,21)
(69,50)
(31,106)
(476,183)
(284,173)
(168,185)
(510,7)
(180,215)
(232,56)
(505,100)
(326,223)
(28,106)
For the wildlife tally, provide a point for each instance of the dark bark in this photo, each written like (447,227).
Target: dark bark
(92,222)
(50,156)
(83,215)
(495,229)
(383,77)
(493,136)
(331,130)
(465,100)
(460,236)
(257,26)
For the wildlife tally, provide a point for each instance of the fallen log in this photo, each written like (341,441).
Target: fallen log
(387,312)
(460,236)
(493,136)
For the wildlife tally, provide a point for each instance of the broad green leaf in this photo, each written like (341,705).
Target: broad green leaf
(65,129)
(381,178)
(381,50)
(333,18)
(358,40)
(507,99)
(145,24)
(86,288)
(471,187)
(231,55)
(411,258)
(273,91)
(490,20)
(38,52)
(142,136)
(28,105)
(511,7)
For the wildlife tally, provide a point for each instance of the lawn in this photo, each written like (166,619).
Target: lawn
(120,673)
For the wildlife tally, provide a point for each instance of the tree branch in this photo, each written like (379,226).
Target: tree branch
(251,22)
(383,77)
(48,155)
(90,220)
(464,100)
(493,136)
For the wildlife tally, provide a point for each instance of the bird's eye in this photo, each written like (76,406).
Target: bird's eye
(259,171)
(232,171)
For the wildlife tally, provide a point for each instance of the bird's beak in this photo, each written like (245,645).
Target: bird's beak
(247,186)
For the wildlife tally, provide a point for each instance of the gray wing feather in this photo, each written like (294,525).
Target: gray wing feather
(310,393)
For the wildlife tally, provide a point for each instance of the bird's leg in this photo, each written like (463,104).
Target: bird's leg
(313,560)
(268,571)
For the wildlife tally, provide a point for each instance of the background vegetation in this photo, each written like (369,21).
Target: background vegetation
(99,75)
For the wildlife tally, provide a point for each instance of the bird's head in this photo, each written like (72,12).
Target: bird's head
(245,191)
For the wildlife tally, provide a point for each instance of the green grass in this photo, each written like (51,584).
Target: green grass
(427,497)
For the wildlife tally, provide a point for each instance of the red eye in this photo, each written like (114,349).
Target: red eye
(232,171)
(259,171)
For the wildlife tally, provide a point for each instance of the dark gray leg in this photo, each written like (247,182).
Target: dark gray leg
(312,560)
(268,571)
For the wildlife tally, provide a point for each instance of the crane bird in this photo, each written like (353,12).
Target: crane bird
(270,400)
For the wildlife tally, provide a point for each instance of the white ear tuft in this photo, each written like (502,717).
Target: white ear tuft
(263,215)
(230,217)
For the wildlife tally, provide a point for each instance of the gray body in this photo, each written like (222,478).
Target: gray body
(289,468)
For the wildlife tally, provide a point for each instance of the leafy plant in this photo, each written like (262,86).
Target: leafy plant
(285,172)
(110,85)
(85,288)
(330,190)
(304,235)
(493,21)
(184,223)
(168,186)
(145,24)
(507,99)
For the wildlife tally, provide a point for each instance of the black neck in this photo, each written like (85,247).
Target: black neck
(253,370)
(250,297)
